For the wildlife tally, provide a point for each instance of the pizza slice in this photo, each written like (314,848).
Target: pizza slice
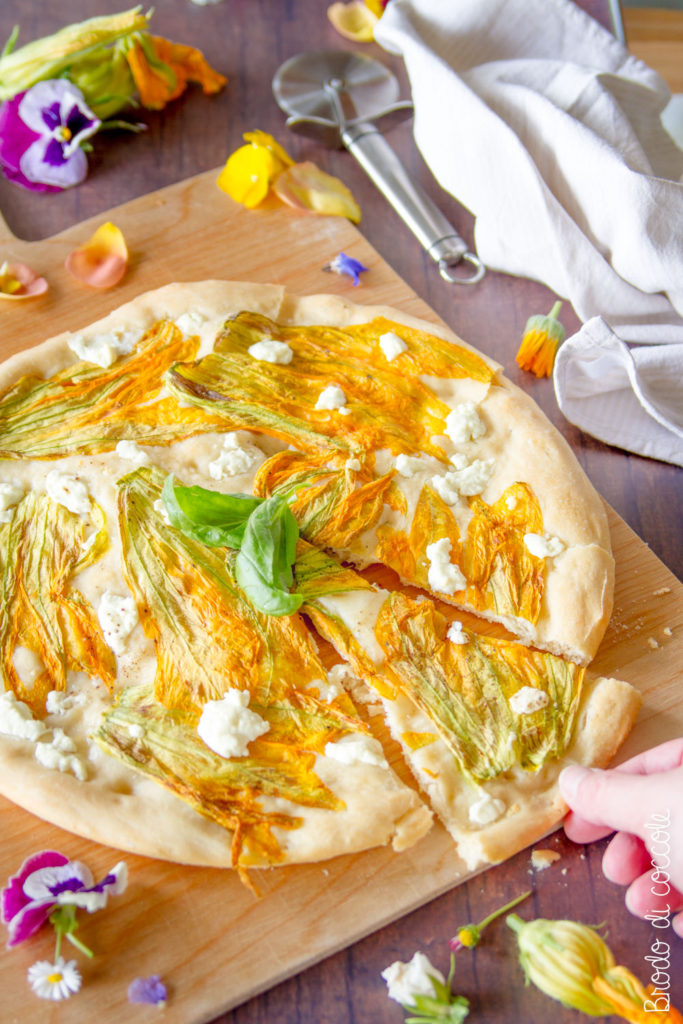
(414,451)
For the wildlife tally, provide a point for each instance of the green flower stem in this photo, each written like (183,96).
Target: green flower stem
(502,910)
(554,312)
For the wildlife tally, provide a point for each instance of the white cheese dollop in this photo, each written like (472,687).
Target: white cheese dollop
(391,345)
(103,349)
(10,495)
(466,479)
(463,423)
(132,452)
(331,397)
(405,981)
(353,465)
(16,719)
(58,755)
(234,458)
(357,748)
(527,700)
(118,617)
(68,491)
(271,352)
(443,575)
(227,726)
(511,502)
(57,701)
(486,810)
(456,634)
(409,465)
(543,546)
(190,321)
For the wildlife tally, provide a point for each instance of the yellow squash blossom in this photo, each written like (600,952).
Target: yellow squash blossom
(542,337)
(571,963)
(161,70)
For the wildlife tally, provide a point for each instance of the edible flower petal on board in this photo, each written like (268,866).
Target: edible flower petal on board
(343,264)
(306,187)
(101,262)
(18,281)
(58,980)
(354,20)
(542,337)
(573,964)
(469,935)
(148,990)
(49,881)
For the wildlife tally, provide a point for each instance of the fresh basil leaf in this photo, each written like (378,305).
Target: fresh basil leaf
(215,519)
(264,564)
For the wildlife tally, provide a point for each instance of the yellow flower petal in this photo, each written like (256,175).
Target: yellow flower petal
(306,187)
(353,20)
(17,281)
(102,261)
(247,174)
(259,138)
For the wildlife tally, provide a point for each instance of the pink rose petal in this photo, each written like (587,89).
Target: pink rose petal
(102,261)
(31,284)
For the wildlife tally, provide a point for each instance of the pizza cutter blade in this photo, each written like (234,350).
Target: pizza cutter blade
(335,97)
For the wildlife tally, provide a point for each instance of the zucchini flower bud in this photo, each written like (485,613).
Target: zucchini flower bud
(57,54)
(542,337)
(572,963)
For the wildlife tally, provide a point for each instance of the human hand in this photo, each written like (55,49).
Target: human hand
(642,800)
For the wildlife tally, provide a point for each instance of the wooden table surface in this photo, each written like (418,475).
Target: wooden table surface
(247,40)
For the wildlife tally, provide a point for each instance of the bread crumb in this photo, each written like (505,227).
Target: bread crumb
(564,871)
(662,590)
(668,631)
(651,642)
(542,859)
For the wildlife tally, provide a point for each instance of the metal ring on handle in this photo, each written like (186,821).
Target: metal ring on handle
(467,257)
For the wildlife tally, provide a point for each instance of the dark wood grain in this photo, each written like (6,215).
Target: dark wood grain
(247,40)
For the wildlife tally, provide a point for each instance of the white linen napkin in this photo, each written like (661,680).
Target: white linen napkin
(539,122)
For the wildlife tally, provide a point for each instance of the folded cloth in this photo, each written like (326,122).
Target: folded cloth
(542,124)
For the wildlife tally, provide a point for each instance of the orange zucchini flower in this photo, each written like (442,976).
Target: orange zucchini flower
(571,963)
(542,337)
(161,70)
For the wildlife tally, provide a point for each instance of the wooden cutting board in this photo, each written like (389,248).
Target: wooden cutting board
(214,944)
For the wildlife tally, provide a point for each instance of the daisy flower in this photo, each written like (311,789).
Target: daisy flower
(57,980)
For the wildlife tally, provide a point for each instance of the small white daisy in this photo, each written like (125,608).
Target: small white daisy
(57,980)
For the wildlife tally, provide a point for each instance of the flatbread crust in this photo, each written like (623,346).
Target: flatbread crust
(116,804)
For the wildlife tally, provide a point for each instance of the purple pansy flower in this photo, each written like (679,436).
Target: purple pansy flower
(147,990)
(48,880)
(343,264)
(41,131)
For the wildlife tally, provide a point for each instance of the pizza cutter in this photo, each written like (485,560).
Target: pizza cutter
(337,97)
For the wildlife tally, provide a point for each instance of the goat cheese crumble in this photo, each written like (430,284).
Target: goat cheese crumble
(443,575)
(227,726)
(271,352)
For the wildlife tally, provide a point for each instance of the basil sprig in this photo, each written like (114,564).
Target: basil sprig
(264,532)
(263,567)
(215,519)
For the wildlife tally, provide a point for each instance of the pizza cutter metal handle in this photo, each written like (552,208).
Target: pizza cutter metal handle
(435,233)
(335,97)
